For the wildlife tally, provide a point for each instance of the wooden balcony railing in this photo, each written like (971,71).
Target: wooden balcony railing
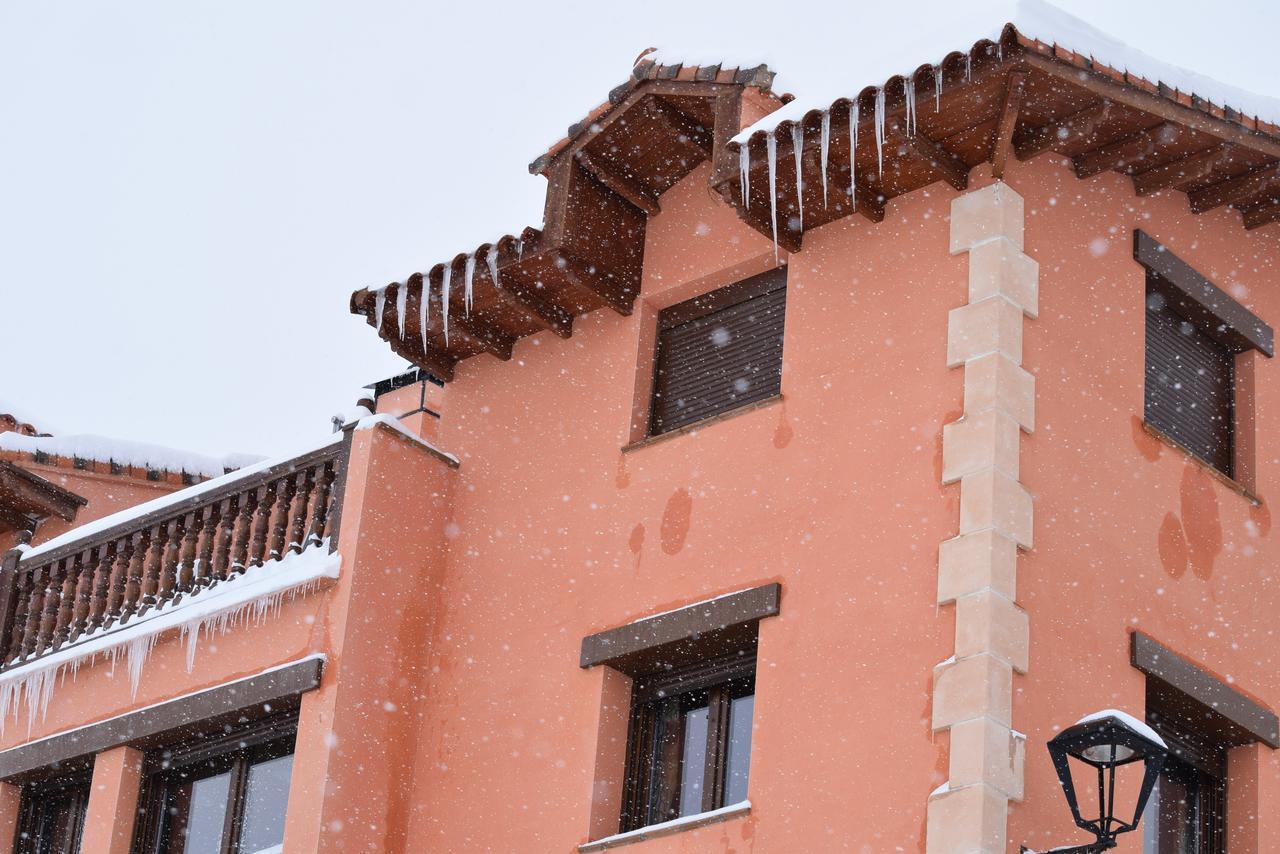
(54,598)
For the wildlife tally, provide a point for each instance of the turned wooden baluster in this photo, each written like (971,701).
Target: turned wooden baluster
(186,549)
(102,578)
(240,536)
(203,566)
(35,609)
(52,605)
(320,511)
(303,486)
(22,596)
(167,579)
(224,540)
(79,618)
(141,544)
(261,523)
(152,568)
(279,529)
(117,593)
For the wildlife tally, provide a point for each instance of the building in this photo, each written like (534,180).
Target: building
(807,471)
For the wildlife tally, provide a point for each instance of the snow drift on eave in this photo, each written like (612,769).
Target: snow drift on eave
(1035,19)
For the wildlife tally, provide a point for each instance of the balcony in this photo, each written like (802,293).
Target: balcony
(205,553)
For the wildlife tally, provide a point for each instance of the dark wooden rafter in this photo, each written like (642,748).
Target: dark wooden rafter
(598,280)
(1234,190)
(1077,126)
(1257,216)
(1009,110)
(513,291)
(629,188)
(1122,153)
(681,124)
(1182,171)
(25,497)
(948,167)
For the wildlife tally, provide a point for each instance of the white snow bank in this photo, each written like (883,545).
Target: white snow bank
(139,510)
(959,29)
(667,826)
(1128,720)
(387,420)
(124,452)
(274,849)
(249,597)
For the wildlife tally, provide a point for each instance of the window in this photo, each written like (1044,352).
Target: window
(1194,334)
(51,819)
(226,796)
(1190,385)
(718,352)
(689,750)
(1187,813)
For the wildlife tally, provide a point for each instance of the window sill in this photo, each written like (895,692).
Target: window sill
(705,422)
(666,828)
(1230,483)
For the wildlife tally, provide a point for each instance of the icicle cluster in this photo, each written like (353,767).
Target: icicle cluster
(824,146)
(797,147)
(771,152)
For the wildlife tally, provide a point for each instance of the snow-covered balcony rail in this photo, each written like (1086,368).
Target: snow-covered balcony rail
(100,577)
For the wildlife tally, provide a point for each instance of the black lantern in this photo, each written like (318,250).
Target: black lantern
(1107,741)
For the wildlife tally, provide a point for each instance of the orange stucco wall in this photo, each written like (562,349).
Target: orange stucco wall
(454,717)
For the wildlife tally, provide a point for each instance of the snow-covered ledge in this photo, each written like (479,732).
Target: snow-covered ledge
(246,598)
(676,825)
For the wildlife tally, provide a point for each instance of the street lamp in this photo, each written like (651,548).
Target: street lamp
(1106,741)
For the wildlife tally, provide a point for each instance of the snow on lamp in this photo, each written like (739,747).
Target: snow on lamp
(1109,742)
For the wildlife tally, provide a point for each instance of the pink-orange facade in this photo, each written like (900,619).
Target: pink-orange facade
(966,512)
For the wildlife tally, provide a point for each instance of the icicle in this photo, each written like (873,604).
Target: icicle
(519,248)
(937,88)
(744,173)
(491,259)
(444,299)
(999,51)
(138,650)
(853,152)
(379,306)
(909,95)
(424,309)
(968,67)
(824,146)
(402,300)
(192,637)
(880,130)
(469,275)
(771,149)
(797,146)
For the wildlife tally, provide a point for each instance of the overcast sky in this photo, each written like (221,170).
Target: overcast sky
(191,190)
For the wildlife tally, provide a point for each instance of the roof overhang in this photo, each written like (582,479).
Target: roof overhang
(25,497)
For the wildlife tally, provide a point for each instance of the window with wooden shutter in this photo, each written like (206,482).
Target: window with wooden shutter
(1189,385)
(718,352)
(1194,333)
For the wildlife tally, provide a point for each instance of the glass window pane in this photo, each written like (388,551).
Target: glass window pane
(197,811)
(265,800)
(738,759)
(693,761)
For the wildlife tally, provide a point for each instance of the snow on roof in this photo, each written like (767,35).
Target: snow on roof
(126,453)
(1128,720)
(809,72)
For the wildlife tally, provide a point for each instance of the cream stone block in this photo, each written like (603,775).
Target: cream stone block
(988,622)
(978,561)
(985,752)
(976,442)
(993,325)
(982,215)
(989,499)
(995,382)
(969,820)
(999,268)
(969,688)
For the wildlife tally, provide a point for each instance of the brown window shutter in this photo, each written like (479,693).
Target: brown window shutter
(719,351)
(1190,385)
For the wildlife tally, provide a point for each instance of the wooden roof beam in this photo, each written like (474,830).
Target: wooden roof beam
(680,123)
(490,339)
(607,286)
(627,188)
(1124,152)
(1077,126)
(1181,171)
(1260,215)
(1234,190)
(869,199)
(949,167)
(1008,122)
(523,298)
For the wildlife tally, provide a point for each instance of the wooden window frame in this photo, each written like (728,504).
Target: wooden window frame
(695,308)
(721,680)
(235,751)
(35,797)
